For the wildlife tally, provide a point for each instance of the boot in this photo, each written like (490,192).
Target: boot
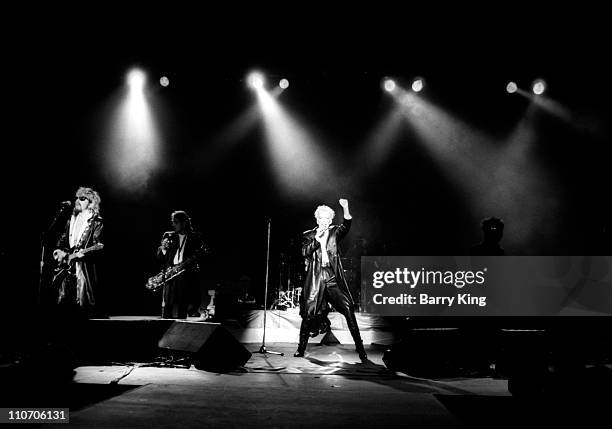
(303,339)
(354,329)
(361,351)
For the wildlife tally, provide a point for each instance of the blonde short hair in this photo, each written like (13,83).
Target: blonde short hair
(322,209)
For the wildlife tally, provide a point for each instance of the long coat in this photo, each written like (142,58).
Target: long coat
(82,289)
(313,303)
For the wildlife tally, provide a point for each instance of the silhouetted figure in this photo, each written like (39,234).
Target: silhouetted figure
(492,232)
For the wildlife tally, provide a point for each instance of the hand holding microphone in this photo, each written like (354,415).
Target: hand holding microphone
(166,240)
(322,234)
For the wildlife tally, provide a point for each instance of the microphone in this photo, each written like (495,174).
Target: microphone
(322,231)
(65,205)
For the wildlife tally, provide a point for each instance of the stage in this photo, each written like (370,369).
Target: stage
(283,326)
(123,379)
(329,387)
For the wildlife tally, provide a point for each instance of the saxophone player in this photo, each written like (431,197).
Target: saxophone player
(182,295)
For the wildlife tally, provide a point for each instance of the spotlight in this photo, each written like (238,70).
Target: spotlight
(539,86)
(389,85)
(136,79)
(417,85)
(511,87)
(284,83)
(164,81)
(255,80)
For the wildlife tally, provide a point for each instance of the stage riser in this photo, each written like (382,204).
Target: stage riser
(439,352)
(114,339)
(120,340)
(291,335)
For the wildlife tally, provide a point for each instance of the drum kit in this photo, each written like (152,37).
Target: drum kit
(287,299)
(289,290)
(291,279)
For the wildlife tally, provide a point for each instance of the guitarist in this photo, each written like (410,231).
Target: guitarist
(77,253)
(182,295)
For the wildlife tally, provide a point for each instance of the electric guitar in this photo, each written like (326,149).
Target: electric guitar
(65,265)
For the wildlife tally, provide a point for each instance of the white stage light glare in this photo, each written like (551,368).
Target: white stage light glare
(136,78)
(418,85)
(255,80)
(389,85)
(539,86)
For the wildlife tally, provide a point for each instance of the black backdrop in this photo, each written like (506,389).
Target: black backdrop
(60,79)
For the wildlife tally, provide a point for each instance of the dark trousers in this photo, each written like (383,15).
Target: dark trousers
(343,305)
(181,295)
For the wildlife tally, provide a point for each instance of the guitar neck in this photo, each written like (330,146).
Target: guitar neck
(87,250)
(92,248)
(66,263)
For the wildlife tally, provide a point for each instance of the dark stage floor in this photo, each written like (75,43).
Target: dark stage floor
(120,382)
(328,387)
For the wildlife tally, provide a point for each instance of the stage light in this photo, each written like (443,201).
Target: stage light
(298,160)
(132,149)
(255,80)
(389,85)
(417,85)
(164,81)
(511,87)
(136,79)
(284,83)
(539,86)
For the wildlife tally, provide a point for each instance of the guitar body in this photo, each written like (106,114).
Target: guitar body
(62,276)
(66,266)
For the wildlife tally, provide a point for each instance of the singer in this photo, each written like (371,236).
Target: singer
(79,248)
(182,296)
(325,282)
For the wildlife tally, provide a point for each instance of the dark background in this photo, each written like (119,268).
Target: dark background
(60,75)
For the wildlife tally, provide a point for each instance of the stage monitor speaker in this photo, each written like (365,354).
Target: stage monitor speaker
(439,353)
(210,345)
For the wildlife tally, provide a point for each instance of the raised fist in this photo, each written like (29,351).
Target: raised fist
(343,202)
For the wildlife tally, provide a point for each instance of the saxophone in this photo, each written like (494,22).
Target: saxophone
(158,281)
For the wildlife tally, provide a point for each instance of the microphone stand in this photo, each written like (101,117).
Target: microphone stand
(263,349)
(43,240)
